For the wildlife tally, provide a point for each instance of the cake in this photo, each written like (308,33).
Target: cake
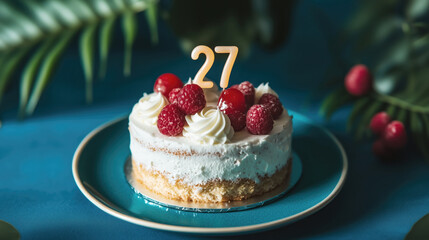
(208,146)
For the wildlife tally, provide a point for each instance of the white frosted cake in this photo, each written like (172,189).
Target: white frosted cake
(200,157)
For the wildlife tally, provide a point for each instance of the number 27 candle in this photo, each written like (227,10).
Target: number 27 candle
(199,77)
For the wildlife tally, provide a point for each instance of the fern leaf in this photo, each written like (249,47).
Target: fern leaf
(29,72)
(363,124)
(334,101)
(46,70)
(402,115)
(86,45)
(358,109)
(9,67)
(129,26)
(391,111)
(26,23)
(106,31)
(152,15)
(417,131)
(426,123)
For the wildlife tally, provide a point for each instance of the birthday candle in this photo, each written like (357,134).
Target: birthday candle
(233,52)
(199,77)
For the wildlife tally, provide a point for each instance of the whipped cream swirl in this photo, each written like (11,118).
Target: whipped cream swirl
(211,94)
(262,89)
(149,107)
(209,126)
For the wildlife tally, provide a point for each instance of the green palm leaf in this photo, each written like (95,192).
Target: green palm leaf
(417,130)
(334,101)
(30,71)
(129,26)
(106,31)
(152,15)
(358,108)
(87,56)
(50,25)
(6,70)
(402,115)
(362,129)
(48,65)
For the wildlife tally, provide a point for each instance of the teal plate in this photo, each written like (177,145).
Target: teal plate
(98,169)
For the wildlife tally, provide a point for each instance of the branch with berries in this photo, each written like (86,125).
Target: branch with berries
(392,38)
(390,118)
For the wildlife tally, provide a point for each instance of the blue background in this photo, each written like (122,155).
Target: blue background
(38,194)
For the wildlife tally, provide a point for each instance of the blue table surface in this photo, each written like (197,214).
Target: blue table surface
(39,197)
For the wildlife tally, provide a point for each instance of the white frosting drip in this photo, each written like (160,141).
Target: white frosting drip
(209,126)
(261,90)
(245,156)
(211,94)
(148,108)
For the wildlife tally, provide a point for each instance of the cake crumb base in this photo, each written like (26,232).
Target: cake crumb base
(211,192)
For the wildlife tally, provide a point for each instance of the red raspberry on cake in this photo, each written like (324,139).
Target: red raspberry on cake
(248,91)
(238,120)
(167,82)
(171,120)
(172,96)
(232,100)
(272,103)
(259,120)
(191,99)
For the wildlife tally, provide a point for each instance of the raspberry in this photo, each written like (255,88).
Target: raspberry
(248,91)
(358,81)
(167,82)
(171,120)
(172,96)
(235,86)
(394,135)
(379,122)
(259,120)
(272,103)
(191,99)
(238,120)
(231,100)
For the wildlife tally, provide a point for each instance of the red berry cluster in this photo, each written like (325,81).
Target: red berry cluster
(237,103)
(184,100)
(392,136)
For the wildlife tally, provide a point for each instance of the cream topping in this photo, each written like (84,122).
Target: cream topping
(148,108)
(245,156)
(262,89)
(209,126)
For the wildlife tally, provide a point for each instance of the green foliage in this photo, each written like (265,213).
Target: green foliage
(35,33)
(86,45)
(420,229)
(392,37)
(129,26)
(46,68)
(7,231)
